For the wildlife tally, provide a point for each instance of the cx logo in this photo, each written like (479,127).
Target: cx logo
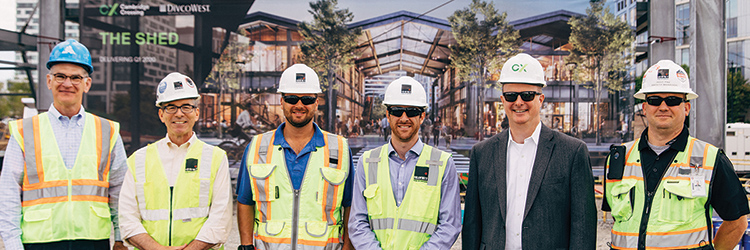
(519,67)
(108,10)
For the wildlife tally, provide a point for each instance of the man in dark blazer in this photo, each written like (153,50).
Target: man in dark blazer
(530,187)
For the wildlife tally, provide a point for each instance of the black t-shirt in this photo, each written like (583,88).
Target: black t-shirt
(727,196)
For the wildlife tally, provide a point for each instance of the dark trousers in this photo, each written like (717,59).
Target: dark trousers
(70,244)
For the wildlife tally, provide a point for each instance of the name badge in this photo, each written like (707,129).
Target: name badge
(697,184)
(421,173)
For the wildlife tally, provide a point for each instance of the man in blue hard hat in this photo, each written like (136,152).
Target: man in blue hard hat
(63,169)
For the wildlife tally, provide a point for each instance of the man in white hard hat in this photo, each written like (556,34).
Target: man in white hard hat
(530,187)
(294,188)
(406,192)
(63,169)
(177,193)
(663,187)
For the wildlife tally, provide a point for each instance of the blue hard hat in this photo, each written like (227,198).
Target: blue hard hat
(71,51)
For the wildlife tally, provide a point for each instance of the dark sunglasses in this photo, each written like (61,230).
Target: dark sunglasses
(526,96)
(399,111)
(306,100)
(670,100)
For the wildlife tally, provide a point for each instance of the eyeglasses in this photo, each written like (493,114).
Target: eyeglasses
(526,96)
(670,100)
(306,100)
(74,79)
(172,109)
(399,111)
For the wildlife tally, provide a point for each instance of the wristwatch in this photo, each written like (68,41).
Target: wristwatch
(246,247)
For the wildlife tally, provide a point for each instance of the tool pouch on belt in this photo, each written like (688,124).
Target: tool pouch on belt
(616,162)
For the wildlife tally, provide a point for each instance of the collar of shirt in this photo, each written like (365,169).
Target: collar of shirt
(64,120)
(415,150)
(316,141)
(679,143)
(534,138)
(173,145)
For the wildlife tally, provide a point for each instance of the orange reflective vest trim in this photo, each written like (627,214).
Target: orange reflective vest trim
(37,191)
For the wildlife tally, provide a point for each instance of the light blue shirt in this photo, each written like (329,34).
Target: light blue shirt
(449,216)
(68,133)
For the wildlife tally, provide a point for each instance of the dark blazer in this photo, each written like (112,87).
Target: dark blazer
(560,211)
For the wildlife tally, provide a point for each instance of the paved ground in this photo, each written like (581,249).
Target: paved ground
(602,235)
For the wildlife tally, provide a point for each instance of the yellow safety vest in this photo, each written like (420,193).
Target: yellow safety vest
(173,216)
(410,225)
(678,216)
(310,217)
(60,203)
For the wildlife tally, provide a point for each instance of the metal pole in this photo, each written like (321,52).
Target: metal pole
(51,31)
(708,71)
(661,22)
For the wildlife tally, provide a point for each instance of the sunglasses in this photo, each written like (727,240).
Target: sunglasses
(526,96)
(306,100)
(670,100)
(399,111)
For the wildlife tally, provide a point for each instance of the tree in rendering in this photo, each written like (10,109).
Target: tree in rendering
(484,40)
(602,45)
(328,47)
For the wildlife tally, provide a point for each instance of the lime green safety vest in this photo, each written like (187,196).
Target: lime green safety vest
(174,216)
(60,203)
(410,225)
(679,214)
(310,217)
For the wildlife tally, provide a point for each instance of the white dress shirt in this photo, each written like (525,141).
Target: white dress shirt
(219,223)
(518,165)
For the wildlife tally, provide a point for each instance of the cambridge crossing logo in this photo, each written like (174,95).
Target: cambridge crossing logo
(519,67)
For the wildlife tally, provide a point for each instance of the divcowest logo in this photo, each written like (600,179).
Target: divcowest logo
(185,8)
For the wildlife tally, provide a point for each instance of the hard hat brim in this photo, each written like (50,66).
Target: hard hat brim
(88,68)
(643,92)
(160,102)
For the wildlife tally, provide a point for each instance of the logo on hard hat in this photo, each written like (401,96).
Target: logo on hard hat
(519,67)
(406,89)
(177,85)
(69,50)
(189,82)
(662,74)
(681,75)
(162,87)
(300,77)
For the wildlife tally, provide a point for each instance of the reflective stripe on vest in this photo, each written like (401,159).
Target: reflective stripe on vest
(31,128)
(415,220)
(678,217)
(49,186)
(182,213)
(173,215)
(308,218)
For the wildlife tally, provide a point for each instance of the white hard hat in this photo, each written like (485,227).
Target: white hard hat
(523,68)
(666,77)
(405,91)
(175,86)
(299,79)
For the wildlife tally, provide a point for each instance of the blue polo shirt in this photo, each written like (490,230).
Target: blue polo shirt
(295,165)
